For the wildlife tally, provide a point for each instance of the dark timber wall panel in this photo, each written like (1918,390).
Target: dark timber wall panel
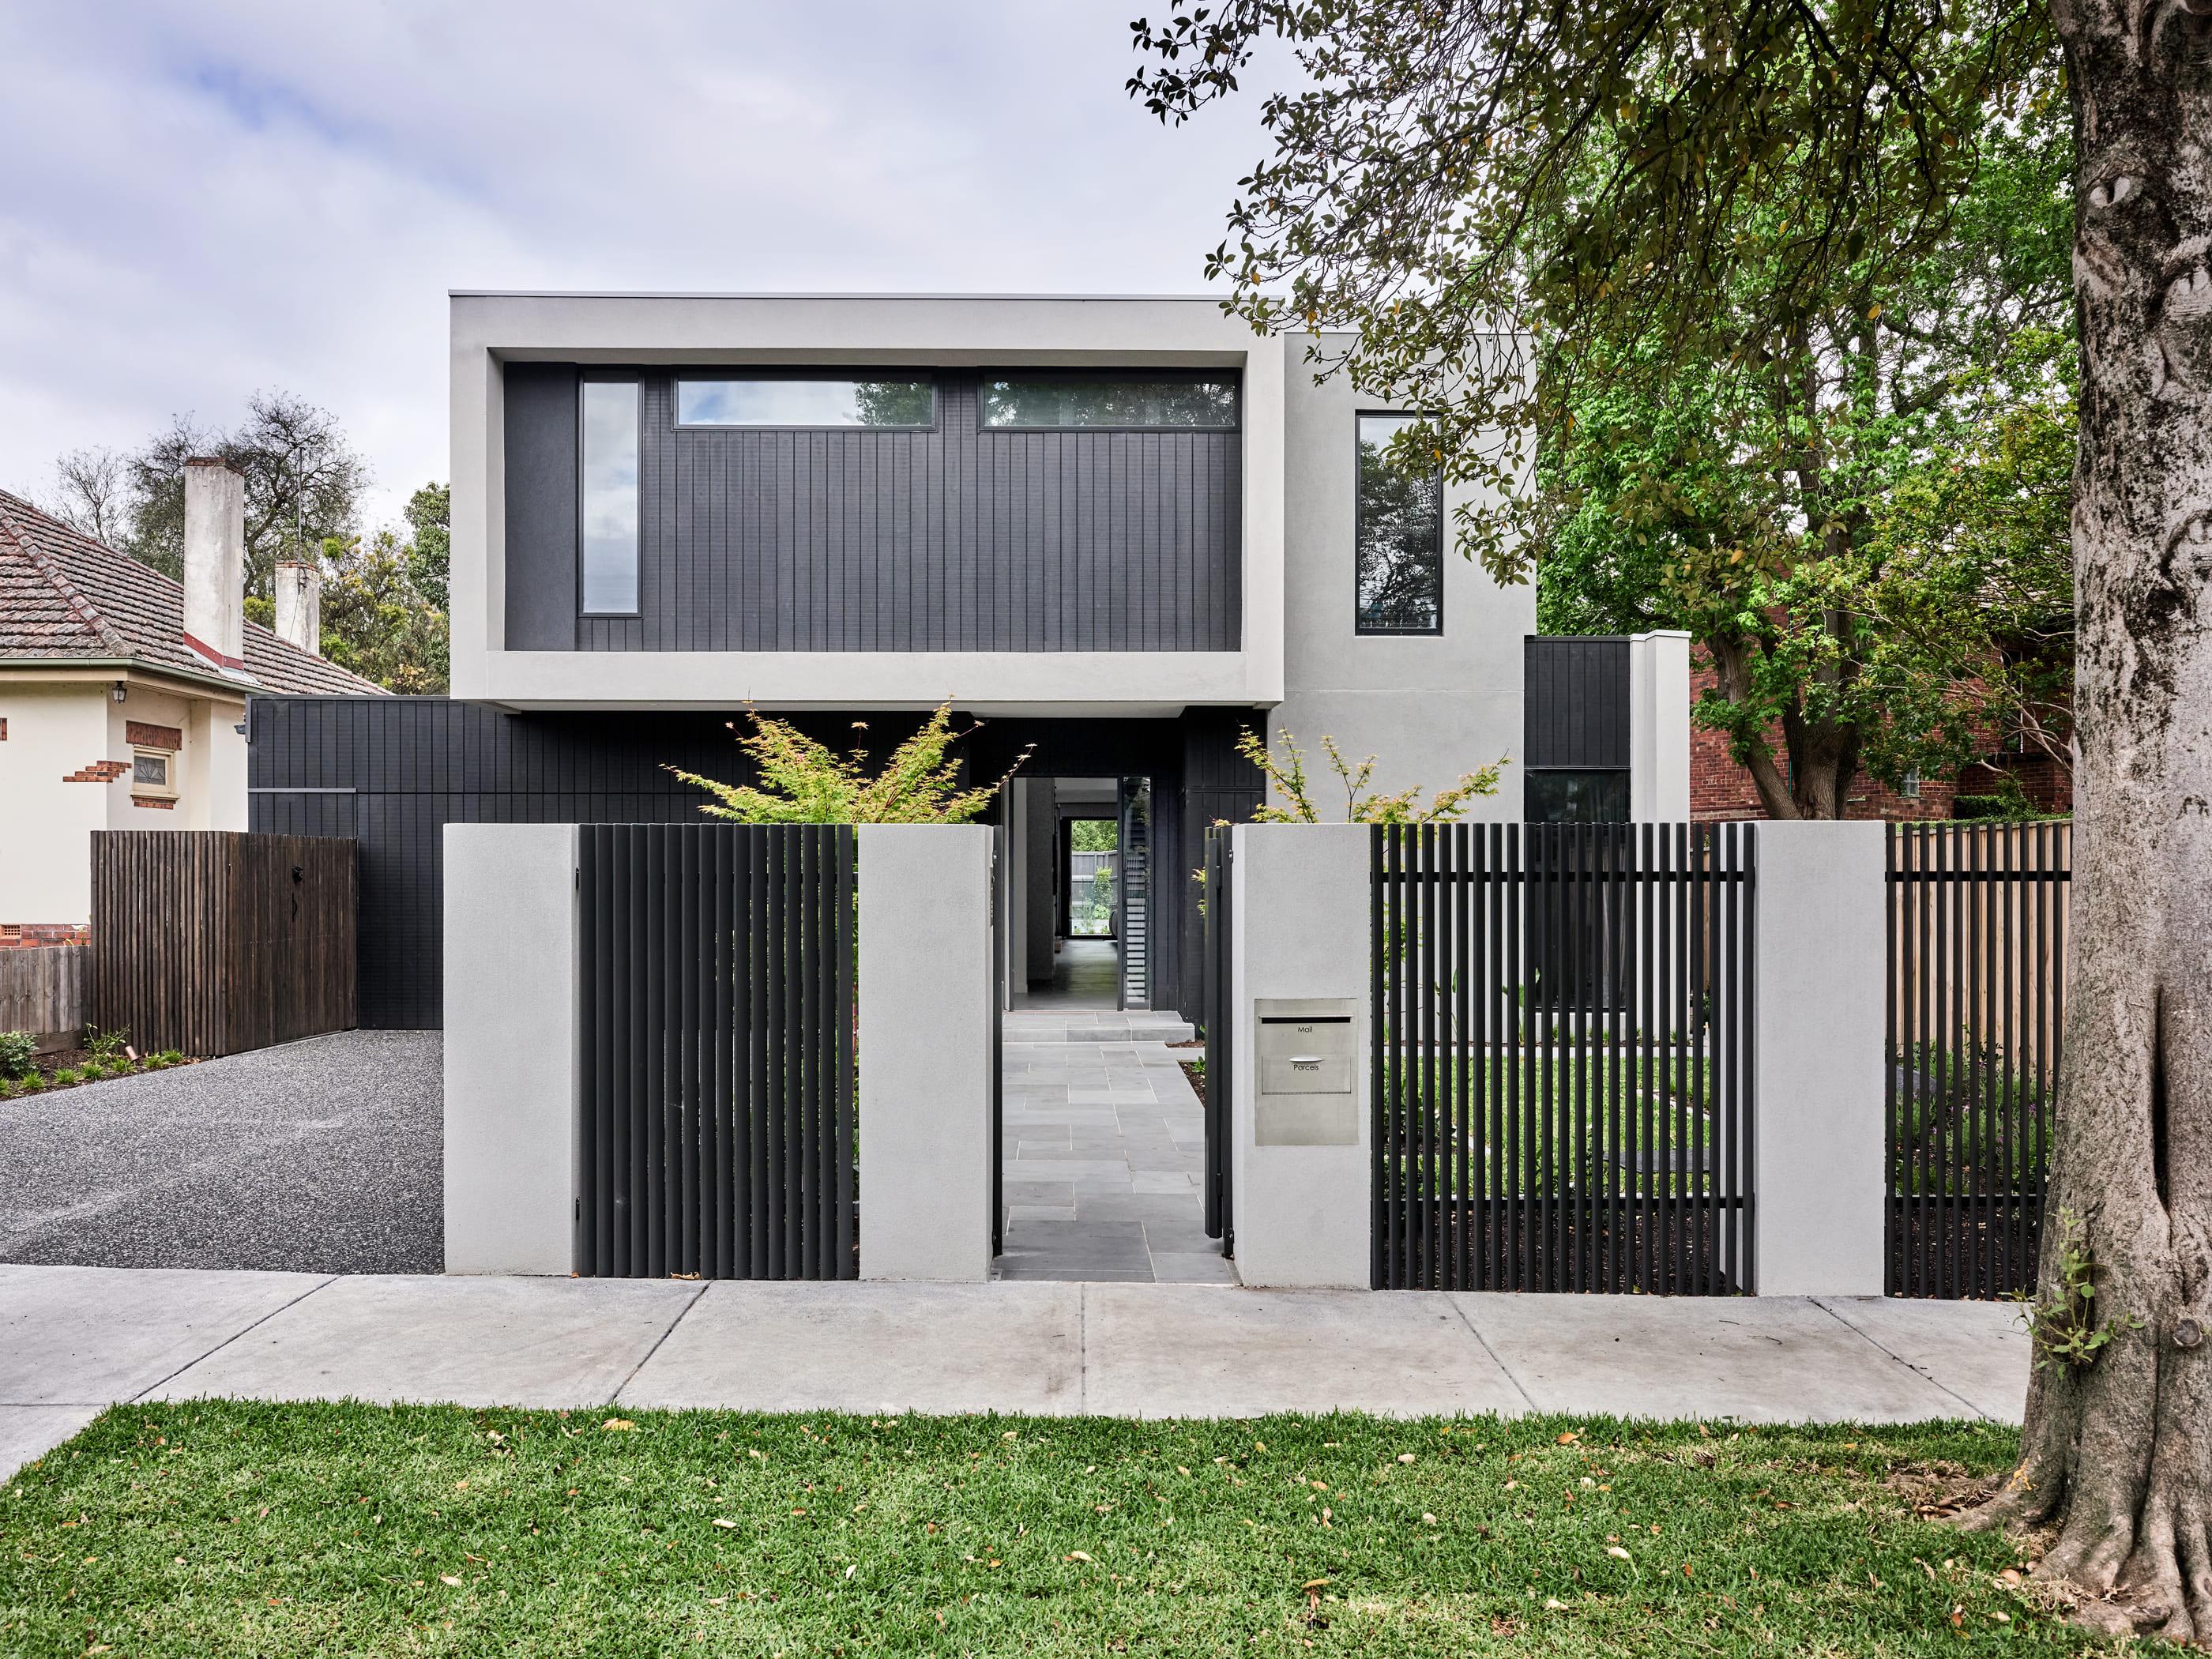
(1576,710)
(953,539)
(392,772)
(541,507)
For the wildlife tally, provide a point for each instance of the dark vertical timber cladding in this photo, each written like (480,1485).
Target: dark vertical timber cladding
(956,538)
(392,772)
(1976,1000)
(1560,1079)
(1575,712)
(717,1142)
(540,456)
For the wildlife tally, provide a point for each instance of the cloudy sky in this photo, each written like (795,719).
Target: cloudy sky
(202,201)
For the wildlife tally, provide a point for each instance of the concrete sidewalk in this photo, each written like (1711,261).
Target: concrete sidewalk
(74,1340)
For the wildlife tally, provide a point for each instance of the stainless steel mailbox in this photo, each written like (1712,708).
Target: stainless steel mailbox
(1307,1050)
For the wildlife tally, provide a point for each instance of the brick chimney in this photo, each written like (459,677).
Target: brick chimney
(215,561)
(300,606)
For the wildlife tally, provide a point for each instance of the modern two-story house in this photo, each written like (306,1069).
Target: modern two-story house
(1117,531)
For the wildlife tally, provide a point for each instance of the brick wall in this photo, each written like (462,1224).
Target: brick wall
(1720,789)
(30,935)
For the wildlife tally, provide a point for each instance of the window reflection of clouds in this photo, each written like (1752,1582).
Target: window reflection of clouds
(610,492)
(805,402)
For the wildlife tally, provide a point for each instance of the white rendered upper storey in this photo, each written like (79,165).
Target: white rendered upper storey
(1104,564)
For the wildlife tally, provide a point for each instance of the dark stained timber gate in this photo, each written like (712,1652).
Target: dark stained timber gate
(1977,918)
(716,1136)
(1562,1057)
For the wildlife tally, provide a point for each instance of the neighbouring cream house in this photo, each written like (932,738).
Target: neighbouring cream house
(123,692)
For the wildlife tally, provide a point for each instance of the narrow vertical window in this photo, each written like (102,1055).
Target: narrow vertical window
(1400,537)
(609,503)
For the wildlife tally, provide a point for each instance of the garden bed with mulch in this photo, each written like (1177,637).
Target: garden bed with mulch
(65,1068)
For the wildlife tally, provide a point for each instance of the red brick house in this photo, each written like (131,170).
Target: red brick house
(1720,789)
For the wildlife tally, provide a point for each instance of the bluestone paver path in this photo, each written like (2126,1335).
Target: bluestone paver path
(1103,1148)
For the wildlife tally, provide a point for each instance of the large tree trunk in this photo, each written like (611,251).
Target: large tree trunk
(1823,756)
(2119,1451)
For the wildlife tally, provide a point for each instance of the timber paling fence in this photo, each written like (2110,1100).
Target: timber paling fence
(42,992)
(214,942)
(1977,919)
(718,1131)
(1562,1063)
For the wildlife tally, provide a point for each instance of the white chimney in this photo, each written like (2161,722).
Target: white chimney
(215,561)
(300,606)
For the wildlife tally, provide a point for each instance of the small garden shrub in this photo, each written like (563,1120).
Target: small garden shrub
(17,1052)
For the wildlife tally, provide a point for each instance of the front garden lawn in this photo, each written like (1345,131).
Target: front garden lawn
(220,1528)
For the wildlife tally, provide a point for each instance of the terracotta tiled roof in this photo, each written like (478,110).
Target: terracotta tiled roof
(63,595)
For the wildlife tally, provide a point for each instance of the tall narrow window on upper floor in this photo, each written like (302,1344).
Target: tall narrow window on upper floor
(1400,537)
(1094,401)
(609,498)
(805,401)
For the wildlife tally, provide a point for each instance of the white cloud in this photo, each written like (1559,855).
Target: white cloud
(205,201)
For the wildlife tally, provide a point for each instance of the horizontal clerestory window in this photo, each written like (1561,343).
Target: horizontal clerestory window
(805,402)
(1090,402)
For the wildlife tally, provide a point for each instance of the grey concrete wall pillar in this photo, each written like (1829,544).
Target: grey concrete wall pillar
(926,1051)
(1301,929)
(511,1078)
(1659,728)
(1819,1035)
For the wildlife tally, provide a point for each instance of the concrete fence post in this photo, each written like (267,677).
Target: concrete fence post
(510,1047)
(1821,944)
(1659,726)
(1301,930)
(928,1052)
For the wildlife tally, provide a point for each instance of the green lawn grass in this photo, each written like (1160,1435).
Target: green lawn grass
(219,1527)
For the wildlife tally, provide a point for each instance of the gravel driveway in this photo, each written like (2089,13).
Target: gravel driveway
(322,1156)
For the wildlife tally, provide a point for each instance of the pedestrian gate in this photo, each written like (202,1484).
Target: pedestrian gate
(716,1135)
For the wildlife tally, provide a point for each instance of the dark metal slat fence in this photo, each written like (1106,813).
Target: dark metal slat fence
(719,1109)
(1977,917)
(1562,1063)
(1220,1014)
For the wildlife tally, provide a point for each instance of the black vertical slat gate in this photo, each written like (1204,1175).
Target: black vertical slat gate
(1978,915)
(1220,895)
(717,1131)
(1001,992)
(1561,1084)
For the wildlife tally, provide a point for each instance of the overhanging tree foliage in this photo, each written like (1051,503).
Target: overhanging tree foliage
(1870,545)
(1728,190)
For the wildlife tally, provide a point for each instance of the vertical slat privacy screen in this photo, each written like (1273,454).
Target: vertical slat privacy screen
(1977,918)
(1219,894)
(717,1122)
(1562,1063)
